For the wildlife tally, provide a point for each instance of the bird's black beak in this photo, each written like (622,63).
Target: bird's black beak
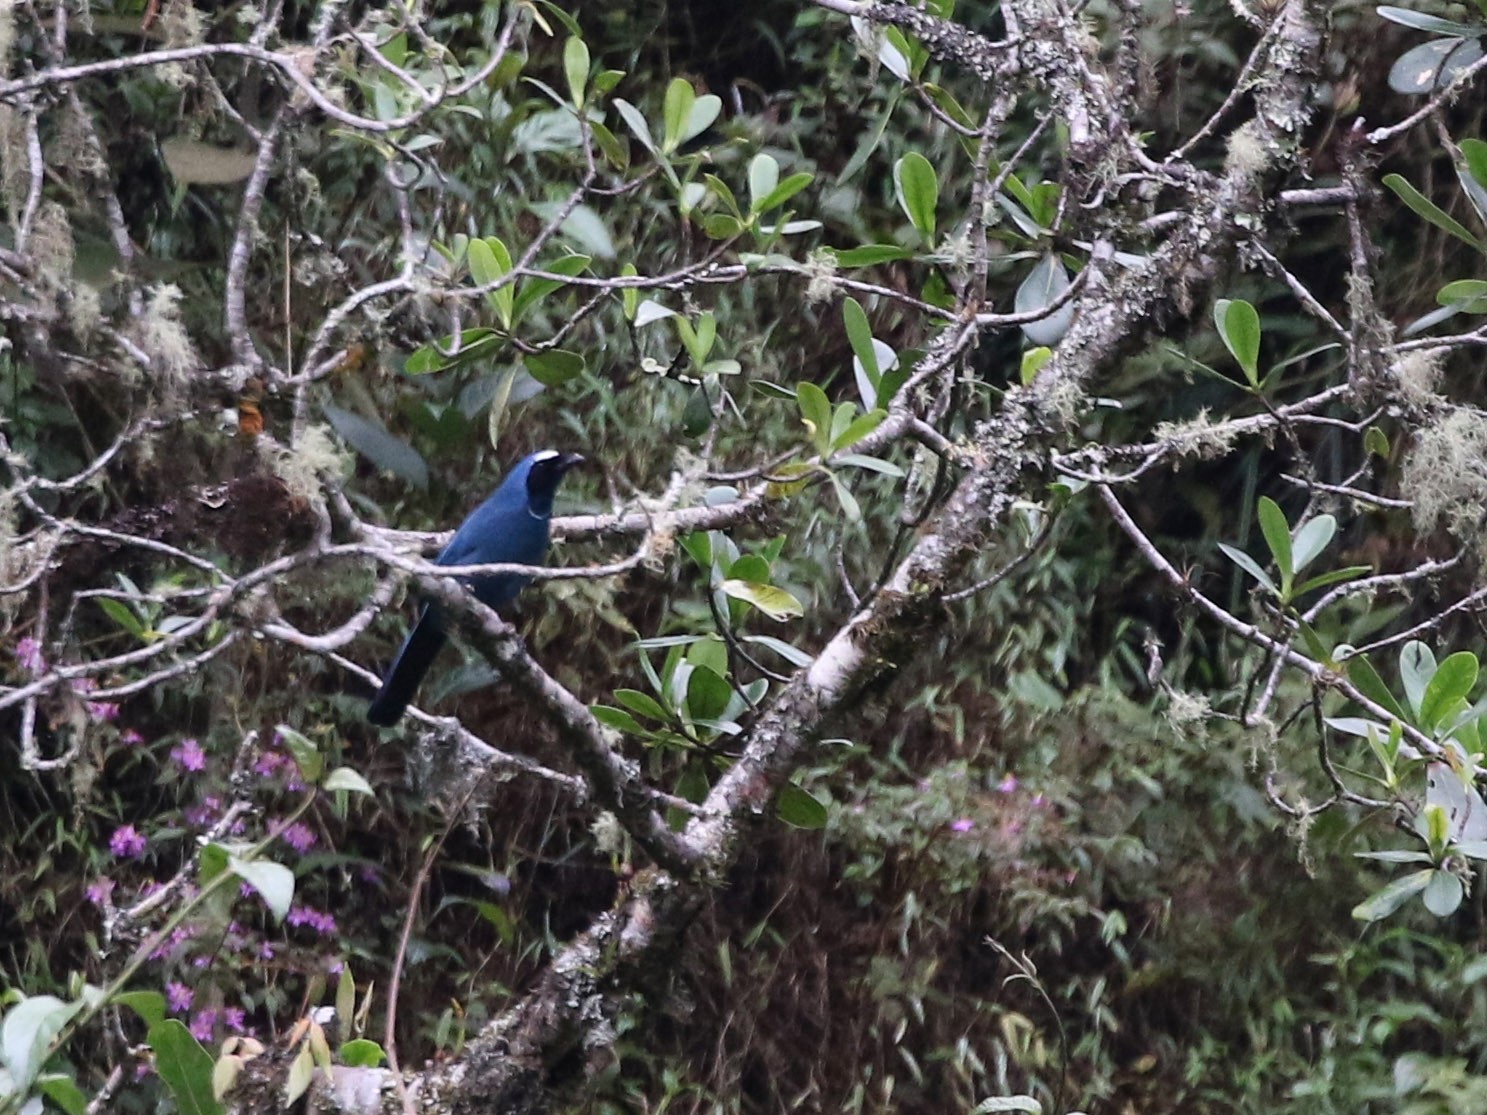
(569,460)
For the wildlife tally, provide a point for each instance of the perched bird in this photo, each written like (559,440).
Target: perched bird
(511,526)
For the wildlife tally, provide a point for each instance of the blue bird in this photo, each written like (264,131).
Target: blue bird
(511,526)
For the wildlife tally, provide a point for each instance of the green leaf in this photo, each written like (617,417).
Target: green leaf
(346,996)
(1033,361)
(858,429)
(1331,577)
(616,152)
(1239,327)
(382,449)
(1452,682)
(533,291)
(1316,646)
(122,615)
(860,336)
(721,226)
(782,192)
(642,703)
(26,1035)
(1416,668)
(1310,539)
(1433,65)
(872,464)
(554,367)
(815,412)
(1363,676)
(692,785)
(705,110)
(635,121)
(1469,295)
(212,863)
(677,105)
(185,1067)
(1375,441)
(699,547)
(474,344)
(1443,894)
(306,755)
(708,694)
(791,654)
(764,176)
(1421,22)
(1249,565)
(1427,209)
(273,881)
(617,718)
(772,390)
(301,1072)
(344,778)
(1356,726)
(1393,896)
(148,1005)
(918,192)
(1474,151)
(1277,534)
(799,809)
(685,115)
(774,602)
(1044,285)
(361,1053)
(870,254)
(576,67)
(844,497)
(490,262)
(62,1090)
(495,418)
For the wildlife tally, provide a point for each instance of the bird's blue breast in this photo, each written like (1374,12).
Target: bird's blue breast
(502,529)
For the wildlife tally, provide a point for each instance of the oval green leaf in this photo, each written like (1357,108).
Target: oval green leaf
(918,192)
(798,808)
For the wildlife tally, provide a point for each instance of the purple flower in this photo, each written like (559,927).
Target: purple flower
(268,762)
(100,890)
(234,1019)
(190,755)
(1039,801)
(126,843)
(203,1022)
(204,814)
(178,996)
(298,836)
(266,951)
(324,924)
(28,654)
(130,738)
(962,824)
(98,710)
(1007,785)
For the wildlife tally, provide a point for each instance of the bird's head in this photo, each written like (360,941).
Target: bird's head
(545,470)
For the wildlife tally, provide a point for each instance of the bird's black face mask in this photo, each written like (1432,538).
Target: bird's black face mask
(543,480)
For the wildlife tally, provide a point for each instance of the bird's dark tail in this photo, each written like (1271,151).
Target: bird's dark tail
(407,670)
